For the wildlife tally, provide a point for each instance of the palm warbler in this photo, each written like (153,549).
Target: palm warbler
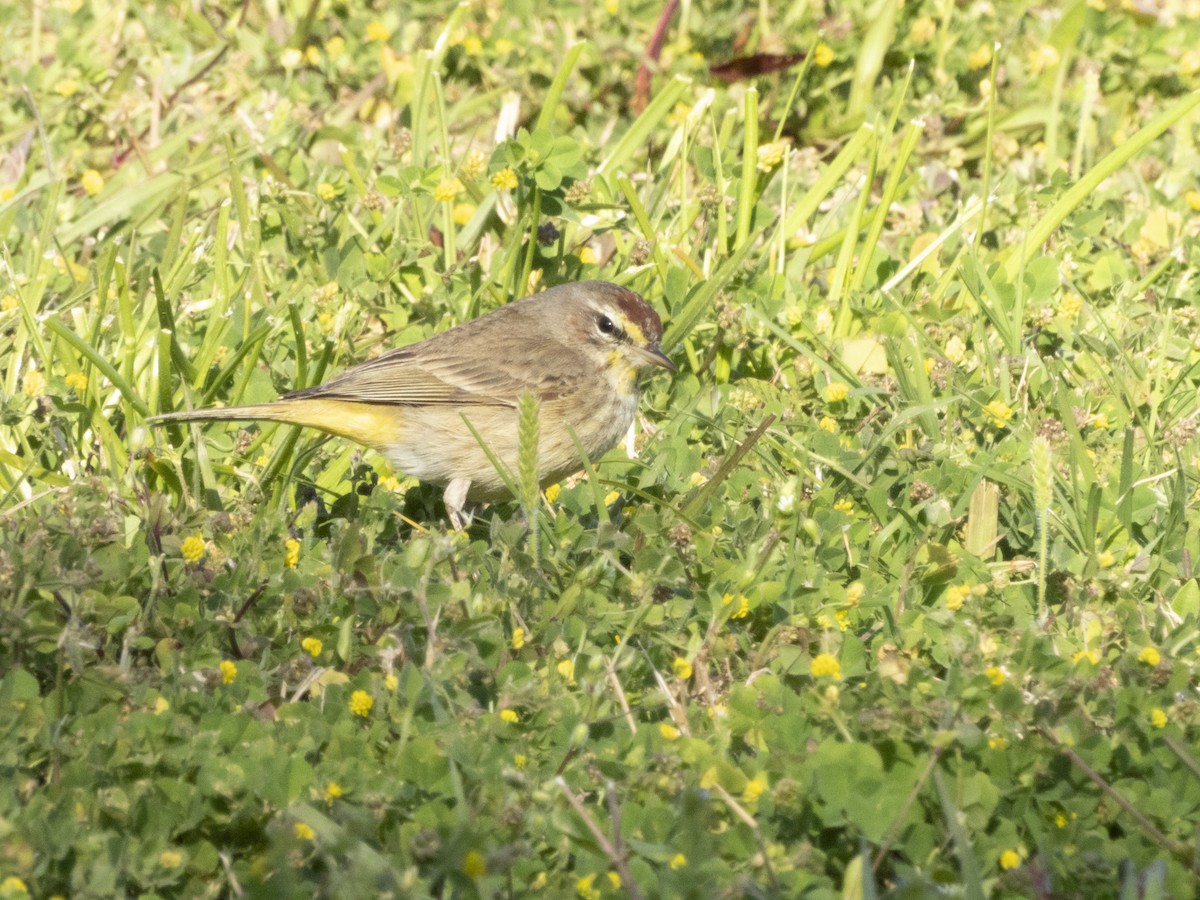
(576,348)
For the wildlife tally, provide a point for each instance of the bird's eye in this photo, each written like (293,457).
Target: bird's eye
(605,324)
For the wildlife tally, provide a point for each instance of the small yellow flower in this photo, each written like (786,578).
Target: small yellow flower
(587,255)
(566,669)
(192,548)
(34,384)
(462,213)
(520,760)
(474,165)
(583,887)
(1189,63)
(668,731)
(291,555)
(922,30)
(390,681)
(1150,656)
(998,413)
(842,617)
(312,646)
(335,46)
(612,7)
(326,191)
(474,864)
(835,392)
(170,859)
(77,381)
(228,671)
(303,832)
(743,608)
(12,886)
(614,880)
(333,790)
(979,57)
(611,497)
(771,155)
(161,705)
(1105,559)
(829,424)
(997,743)
(678,861)
(1070,306)
(1100,421)
(1042,58)
(518,638)
(92,182)
(505,180)
(1158,718)
(854,593)
(755,787)
(377,31)
(844,505)
(312,55)
(1086,655)
(510,716)
(66,87)
(8,302)
(1060,821)
(955,350)
(1193,200)
(504,47)
(825,665)
(823,54)
(448,190)
(472,45)
(995,675)
(683,668)
(361,703)
(552,492)
(291,58)
(1010,859)
(956,594)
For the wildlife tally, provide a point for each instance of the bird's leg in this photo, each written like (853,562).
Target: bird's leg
(455,498)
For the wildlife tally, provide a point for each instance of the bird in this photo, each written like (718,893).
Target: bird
(578,349)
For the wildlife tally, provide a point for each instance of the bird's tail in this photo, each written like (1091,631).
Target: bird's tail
(375,425)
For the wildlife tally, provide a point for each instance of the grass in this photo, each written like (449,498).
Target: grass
(896,599)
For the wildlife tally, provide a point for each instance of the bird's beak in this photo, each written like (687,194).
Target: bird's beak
(653,356)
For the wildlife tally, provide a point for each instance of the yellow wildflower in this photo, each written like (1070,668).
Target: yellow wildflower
(683,668)
(1150,656)
(1060,821)
(472,45)
(333,790)
(823,54)
(825,665)
(326,191)
(228,671)
(614,880)
(828,423)
(771,155)
(8,302)
(448,190)
(390,681)
(1105,559)
(518,638)
(66,87)
(161,705)
(291,58)
(611,497)
(12,886)
(34,384)
(979,57)
(1089,655)
(583,887)
(1158,718)
(462,213)
(1010,859)
(956,594)
(503,47)
(587,255)
(303,832)
(755,787)
(312,55)
(1042,58)
(922,30)
(998,413)
(1189,63)
(292,554)
(552,492)
(520,760)
(335,46)
(842,617)
(361,703)
(1193,200)
(92,182)
(678,861)
(377,31)
(997,743)
(474,864)
(510,716)
(995,675)
(192,548)
(844,505)
(77,381)
(668,731)
(566,668)
(505,180)
(854,593)
(170,859)
(743,608)
(835,392)
(312,646)
(1070,306)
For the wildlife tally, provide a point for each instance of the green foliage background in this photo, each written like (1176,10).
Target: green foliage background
(896,599)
